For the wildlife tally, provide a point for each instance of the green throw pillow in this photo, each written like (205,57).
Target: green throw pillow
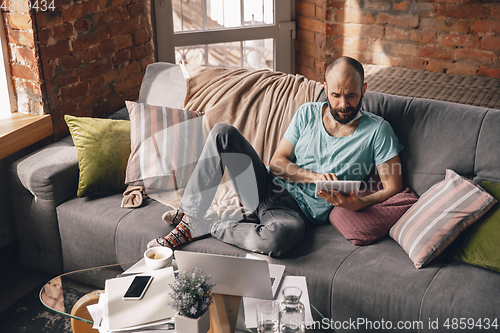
(103,148)
(481,247)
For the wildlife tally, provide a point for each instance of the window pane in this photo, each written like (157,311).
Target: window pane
(189,15)
(194,55)
(258,12)
(225,55)
(227,13)
(257,54)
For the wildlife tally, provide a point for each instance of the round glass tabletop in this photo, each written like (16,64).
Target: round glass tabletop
(62,292)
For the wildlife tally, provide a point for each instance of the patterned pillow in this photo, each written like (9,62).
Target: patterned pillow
(165,145)
(439,216)
(366,226)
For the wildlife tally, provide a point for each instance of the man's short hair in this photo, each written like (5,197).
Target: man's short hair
(350,61)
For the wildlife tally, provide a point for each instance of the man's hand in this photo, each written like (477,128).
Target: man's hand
(337,199)
(326,176)
(392,183)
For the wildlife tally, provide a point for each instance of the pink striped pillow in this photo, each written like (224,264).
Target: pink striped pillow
(165,145)
(439,216)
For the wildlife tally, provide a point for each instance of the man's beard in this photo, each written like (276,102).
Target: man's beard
(344,119)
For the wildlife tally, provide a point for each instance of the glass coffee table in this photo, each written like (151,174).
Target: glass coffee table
(68,296)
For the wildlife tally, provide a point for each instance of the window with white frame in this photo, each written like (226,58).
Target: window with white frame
(228,33)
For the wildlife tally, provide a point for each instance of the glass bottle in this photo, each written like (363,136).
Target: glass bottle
(292,311)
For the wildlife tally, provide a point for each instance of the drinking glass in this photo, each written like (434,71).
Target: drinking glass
(268,317)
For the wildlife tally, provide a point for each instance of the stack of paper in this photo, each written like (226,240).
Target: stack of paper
(113,314)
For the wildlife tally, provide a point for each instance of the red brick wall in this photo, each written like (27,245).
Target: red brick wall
(26,75)
(451,36)
(91,56)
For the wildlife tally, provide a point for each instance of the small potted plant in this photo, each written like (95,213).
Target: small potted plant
(191,296)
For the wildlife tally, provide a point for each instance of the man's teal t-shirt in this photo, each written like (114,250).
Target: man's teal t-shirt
(350,157)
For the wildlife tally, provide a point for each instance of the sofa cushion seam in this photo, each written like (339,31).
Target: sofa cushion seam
(477,142)
(405,113)
(425,293)
(335,275)
(116,234)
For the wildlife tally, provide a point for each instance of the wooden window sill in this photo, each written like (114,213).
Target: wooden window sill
(18,131)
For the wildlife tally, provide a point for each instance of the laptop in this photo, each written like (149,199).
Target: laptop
(236,276)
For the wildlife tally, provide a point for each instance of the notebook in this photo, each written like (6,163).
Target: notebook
(236,276)
(152,307)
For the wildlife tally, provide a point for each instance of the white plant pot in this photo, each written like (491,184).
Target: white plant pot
(190,325)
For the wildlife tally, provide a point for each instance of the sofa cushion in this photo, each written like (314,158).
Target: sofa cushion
(103,148)
(378,282)
(487,157)
(462,291)
(366,226)
(481,246)
(436,141)
(434,138)
(109,234)
(439,216)
(165,145)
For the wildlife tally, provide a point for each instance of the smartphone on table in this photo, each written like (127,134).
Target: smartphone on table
(138,287)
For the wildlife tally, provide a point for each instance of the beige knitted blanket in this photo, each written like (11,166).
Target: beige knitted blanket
(259,103)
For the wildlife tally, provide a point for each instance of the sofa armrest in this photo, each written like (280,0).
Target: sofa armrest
(50,173)
(39,183)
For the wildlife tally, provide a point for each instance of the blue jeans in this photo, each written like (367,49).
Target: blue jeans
(282,223)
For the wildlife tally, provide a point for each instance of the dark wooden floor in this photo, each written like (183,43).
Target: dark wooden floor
(16,281)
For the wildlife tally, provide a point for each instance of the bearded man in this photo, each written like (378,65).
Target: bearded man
(332,140)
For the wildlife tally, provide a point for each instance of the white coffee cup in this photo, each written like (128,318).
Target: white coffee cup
(158,257)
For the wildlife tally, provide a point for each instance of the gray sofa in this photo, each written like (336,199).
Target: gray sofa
(60,232)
